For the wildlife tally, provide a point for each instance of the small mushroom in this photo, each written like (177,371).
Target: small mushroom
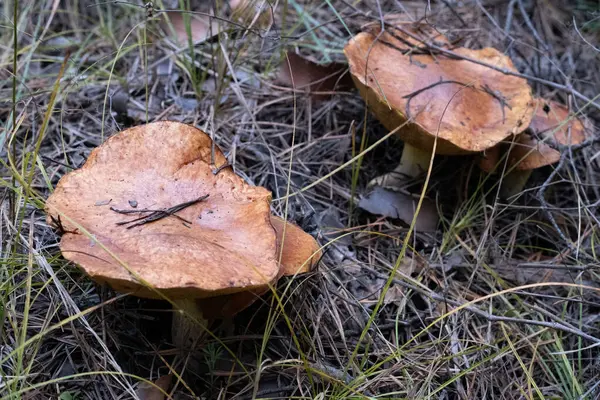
(551,125)
(467,106)
(162,248)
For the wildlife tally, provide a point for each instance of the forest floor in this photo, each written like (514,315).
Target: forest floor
(501,301)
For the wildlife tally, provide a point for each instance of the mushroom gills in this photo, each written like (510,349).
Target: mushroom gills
(413,163)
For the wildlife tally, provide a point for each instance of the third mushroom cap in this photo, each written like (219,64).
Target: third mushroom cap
(551,126)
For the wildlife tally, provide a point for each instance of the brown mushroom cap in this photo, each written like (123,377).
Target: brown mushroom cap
(550,122)
(229,245)
(402,73)
(299,253)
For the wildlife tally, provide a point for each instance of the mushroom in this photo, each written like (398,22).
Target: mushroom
(193,233)
(551,124)
(467,106)
(297,253)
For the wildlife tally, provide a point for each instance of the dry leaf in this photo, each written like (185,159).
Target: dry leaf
(319,80)
(395,204)
(394,294)
(201,27)
(146,391)
(535,273)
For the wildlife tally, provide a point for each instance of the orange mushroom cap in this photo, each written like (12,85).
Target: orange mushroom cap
(551,123)
(299,251)
(299,254)
(470,107)
(228,244)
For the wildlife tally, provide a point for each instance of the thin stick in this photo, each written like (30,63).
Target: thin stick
(506,71)
(156,215)
(564,327)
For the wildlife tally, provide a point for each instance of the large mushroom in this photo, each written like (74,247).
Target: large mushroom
(469,107)
(148,215)
(551,125)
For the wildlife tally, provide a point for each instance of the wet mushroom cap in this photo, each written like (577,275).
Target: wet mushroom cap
(226,246)
(471,107)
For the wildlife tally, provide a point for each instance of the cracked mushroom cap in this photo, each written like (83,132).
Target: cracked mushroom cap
(223,244)
(552,124)
(474,106)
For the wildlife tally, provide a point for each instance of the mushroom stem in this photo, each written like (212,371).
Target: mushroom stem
(413,163)
(514,182)
(188,324)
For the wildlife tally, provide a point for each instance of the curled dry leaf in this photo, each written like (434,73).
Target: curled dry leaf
(175,25)
(318,80)
(146,391)
(394,294)
(394,204)
(468,106)
(220,245)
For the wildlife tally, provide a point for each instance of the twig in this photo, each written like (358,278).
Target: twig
(498,96)
(58,225)
(544,205)
(582,37)
(505,71)
(529,24)
(150,218)
(156,215)
(490,317)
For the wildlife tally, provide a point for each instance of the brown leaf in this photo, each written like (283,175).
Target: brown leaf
(393,204)
(318,80)
(394,294)
(146,391)
(201,27)
(526,273)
